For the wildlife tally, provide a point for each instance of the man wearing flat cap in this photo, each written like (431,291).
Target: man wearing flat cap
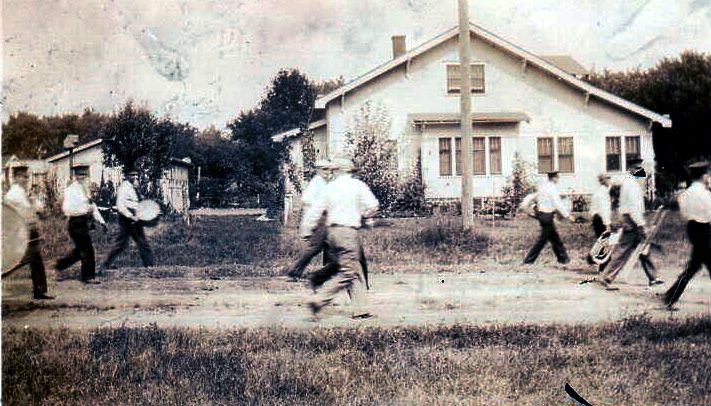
(601,210)
(548,203)
(28,209)
(130,226)
(695,208)
(633,227)
(78,207)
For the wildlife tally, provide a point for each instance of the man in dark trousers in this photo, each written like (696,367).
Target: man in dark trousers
(548,203)
(633,228)
(131,227)
(695,208)
(28,209)
(78,207)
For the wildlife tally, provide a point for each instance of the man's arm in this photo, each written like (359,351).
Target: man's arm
(125,204)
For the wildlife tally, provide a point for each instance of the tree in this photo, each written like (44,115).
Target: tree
(134,137)
(287,104)
(519,184)
(373,153)
(678,86)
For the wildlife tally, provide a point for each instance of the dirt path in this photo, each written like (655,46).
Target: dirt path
(470,294)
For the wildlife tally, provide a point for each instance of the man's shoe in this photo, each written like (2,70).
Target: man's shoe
(656,282)
(91,282)
(361,316)
(42,296)
(315,307)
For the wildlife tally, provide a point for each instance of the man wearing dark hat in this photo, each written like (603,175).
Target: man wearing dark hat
(548,203)
(131,227)
(695,208)
(78,207)
(634,225)
(18,198)
(601,210)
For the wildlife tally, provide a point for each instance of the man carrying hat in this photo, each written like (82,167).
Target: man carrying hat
(601,209)
(347,201)
(131,227)
(695,208)
(28,209)
(634,225)
(548,203)
(78,207)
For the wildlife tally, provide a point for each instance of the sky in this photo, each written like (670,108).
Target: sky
(204,61)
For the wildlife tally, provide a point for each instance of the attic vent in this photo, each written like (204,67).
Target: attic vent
(398,46)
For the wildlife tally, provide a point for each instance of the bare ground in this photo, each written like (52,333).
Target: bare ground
(483,293)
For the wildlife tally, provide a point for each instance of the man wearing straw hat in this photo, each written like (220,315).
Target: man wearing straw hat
(78,207)
(18,198)
(695,207)
(347,201)
(131,228)
(634,226)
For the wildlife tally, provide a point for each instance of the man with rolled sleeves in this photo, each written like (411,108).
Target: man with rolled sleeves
(347,201)
(28,209)
(548,203)
(131,227)
(78,207)
(634,226)
(695,208)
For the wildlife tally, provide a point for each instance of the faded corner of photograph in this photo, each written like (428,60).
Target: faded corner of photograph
(303,203)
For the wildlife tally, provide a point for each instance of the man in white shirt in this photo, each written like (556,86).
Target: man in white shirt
(347,201)
(313,223)
(548,203)
(695,208)
(634,225)
(78,207)
(17,198)
(601,210)
(126,204)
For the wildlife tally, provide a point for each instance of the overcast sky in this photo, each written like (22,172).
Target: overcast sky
(204,61)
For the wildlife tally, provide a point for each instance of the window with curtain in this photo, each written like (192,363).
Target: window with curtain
(495,155)
(454,84)
(632,150)
(545,155)
(478,156)
(566,159)
(613,154)
(445,156)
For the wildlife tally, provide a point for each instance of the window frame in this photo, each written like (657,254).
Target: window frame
(538,154)
(618,154)
(452,90)
(491,156)
(446,152)
(571,155)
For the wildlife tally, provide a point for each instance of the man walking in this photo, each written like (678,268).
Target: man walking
(313,223)
(18,198)
(347,202)
(548,203)
(130,225)
(634,225)
(695,207)
(601,209)
(78,207)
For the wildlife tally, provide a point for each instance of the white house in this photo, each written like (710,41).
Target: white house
(174,183)
(538,107)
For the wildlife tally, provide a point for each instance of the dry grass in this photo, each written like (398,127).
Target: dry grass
(265,249)
(634,362)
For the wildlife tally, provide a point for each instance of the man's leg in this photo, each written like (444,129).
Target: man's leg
(82,240)
(628,242)
(540,242)
(316,244)
(120,243)
(33,257)
(74,256)
(558,248)
(364,266)
(139,236)
(700,254)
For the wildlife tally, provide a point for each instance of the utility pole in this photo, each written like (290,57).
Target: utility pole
(466,114)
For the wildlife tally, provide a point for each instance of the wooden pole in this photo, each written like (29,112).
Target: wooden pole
(466,115)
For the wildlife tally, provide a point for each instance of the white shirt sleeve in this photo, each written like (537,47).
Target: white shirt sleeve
(126,200)
(369,201)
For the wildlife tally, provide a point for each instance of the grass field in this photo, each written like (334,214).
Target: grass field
(635,362)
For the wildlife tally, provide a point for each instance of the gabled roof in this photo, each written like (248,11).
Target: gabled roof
(79,148)
(567,64)
(492,38)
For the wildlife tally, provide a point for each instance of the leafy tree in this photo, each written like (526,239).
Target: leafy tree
(678,86)
(411,193)
(287,104)
(373,153)
(134,137)
(520,183)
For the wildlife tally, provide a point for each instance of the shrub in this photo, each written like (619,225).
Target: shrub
(519,185)
(447,232)
(411,194)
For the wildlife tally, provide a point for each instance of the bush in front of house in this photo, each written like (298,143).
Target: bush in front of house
(411,195)
(520,184)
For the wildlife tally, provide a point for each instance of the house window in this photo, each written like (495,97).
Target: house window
(566,161)
(495,155)
(476,77)
(631,149)
(479,156)
(545,155)
(613,153)
(458,156)
(445,156)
